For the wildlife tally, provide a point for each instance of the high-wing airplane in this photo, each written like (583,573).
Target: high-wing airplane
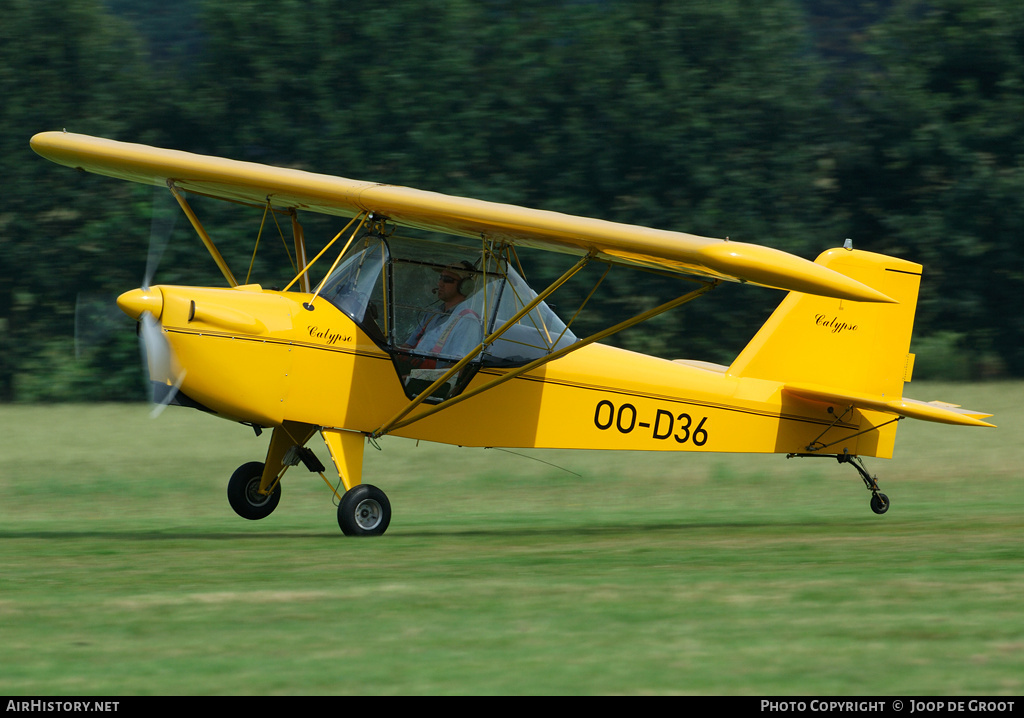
(445,341)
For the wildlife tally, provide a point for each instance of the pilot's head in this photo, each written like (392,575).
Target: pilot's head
(455,282)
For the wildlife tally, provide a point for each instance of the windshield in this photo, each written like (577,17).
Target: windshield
(358,286)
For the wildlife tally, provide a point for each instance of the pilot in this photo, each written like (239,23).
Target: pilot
(454,329)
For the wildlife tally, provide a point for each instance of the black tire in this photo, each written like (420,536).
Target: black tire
(879,503)
(244,496)
(364,511)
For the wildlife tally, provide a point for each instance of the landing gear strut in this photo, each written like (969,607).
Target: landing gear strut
(879,501)
(363,510)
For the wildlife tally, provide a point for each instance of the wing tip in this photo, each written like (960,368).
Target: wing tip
(782,270)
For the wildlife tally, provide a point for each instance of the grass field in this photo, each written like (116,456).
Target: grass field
(123,570)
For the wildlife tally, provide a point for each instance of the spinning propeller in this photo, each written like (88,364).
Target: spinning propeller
(146,305)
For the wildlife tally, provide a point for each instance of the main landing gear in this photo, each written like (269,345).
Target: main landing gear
(879,501)
(255,488)
(363,510)
(244,492)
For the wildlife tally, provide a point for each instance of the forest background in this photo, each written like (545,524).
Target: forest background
(790,123)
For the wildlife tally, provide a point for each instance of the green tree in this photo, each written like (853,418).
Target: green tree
(933,170)
(736,118)
(62,65)
(700,118)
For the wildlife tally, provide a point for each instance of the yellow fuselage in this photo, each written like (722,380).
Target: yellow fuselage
(260,356)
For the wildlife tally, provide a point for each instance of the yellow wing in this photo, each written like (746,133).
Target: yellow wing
(621,243)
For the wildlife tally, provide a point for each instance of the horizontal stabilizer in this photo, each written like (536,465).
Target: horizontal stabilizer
(927,411)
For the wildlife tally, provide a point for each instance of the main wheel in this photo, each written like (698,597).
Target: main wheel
(879,503)
(244,492)
(364,511)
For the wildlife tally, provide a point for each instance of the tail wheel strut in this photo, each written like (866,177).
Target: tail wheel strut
(879,501)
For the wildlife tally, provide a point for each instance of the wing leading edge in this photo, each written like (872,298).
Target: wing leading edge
(615,242)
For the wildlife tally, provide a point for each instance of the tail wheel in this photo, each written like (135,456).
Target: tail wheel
(879,503)
(364,511)
(244,492)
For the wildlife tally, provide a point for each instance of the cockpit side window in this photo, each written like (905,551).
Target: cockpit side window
(436,308)
(431,304)
(536,334)
(438,315)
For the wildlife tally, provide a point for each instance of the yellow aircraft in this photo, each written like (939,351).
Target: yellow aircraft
(446,342)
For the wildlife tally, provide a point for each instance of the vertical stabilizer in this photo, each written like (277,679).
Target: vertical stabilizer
(860,347)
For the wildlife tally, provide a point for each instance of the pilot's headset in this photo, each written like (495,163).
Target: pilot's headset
(466,272)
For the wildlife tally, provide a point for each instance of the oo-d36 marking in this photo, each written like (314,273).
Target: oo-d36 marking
(679,427)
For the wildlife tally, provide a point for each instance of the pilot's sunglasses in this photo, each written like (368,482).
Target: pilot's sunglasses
(448,280)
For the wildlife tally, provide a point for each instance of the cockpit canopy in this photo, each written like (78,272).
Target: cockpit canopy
(392,288)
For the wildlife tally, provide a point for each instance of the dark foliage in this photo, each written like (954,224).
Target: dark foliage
(786,123)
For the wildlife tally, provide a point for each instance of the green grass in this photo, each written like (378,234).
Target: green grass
(123,570)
